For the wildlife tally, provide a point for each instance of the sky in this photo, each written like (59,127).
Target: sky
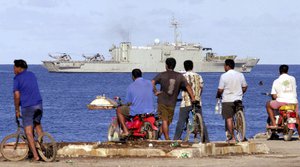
(266,29)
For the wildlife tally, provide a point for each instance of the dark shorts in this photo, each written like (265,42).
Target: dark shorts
(189,108)
(228,110)
(165,113)
(32,115)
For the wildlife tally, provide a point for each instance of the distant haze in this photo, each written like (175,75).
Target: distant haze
(267,29)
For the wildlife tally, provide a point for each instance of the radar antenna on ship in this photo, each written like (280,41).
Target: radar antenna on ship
(60,56)
(175,24)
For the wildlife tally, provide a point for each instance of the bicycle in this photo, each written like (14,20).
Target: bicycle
(194,125)
(239,123)
(14,147)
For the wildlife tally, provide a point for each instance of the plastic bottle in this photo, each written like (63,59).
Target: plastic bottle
(218,107)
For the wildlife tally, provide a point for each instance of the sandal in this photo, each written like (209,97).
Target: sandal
(34,161)
(231,141)
(124,136)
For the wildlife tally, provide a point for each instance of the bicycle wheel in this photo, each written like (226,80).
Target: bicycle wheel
(46,147)
(198,130)
(240,125)
(14,147)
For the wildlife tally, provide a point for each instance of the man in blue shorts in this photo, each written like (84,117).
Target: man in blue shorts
(27,96)
(139,97)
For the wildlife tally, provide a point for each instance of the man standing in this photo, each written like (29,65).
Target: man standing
(196,82)
(170,84)
(139,97)
(232,87)
(284,91)
(27,96)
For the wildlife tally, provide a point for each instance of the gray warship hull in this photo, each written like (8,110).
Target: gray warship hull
(150,60)
(84,67)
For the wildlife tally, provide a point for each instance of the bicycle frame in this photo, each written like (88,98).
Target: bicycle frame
(191,125)
(20,133)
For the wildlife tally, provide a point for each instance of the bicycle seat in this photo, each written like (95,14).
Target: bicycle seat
(287,107)
(238,103)
(196,104)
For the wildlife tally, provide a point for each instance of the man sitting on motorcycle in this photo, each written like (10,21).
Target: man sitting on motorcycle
(139,98)
(284,91)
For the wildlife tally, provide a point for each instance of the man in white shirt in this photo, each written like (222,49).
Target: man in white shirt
(284,91)
(232,87)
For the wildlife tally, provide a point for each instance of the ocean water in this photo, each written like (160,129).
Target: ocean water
(66,95)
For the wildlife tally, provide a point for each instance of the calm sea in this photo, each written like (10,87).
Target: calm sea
(66,95)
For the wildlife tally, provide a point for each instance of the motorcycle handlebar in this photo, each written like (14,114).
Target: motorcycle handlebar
(266,93)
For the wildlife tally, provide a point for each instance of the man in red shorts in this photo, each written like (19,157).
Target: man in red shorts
(284,91)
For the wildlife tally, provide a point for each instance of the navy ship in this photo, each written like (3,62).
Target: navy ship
(151,58)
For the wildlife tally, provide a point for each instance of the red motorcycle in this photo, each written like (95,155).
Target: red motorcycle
(285,122)
(141,126)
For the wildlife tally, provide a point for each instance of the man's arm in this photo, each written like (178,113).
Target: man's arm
(17,103)
(129,97)
(244,84)
(220,87)
(190,92)
(219,93)
(154,88)
(244,89)
(201,90)
(273,91)
(201,85)
(274,96)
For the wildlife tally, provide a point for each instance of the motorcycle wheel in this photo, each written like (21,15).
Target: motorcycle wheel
(288,135)
(240,125)
(150,133)
(113,133)
(269,134)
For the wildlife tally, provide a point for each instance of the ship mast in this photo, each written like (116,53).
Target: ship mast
(174,24)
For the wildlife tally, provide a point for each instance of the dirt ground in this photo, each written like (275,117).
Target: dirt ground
(281,154)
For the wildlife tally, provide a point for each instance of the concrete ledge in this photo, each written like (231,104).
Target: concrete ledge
(159,149)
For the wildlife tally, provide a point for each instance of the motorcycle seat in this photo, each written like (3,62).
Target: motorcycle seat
(142,115)
(287,107)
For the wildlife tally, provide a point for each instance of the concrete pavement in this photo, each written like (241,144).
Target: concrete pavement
(279,153)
